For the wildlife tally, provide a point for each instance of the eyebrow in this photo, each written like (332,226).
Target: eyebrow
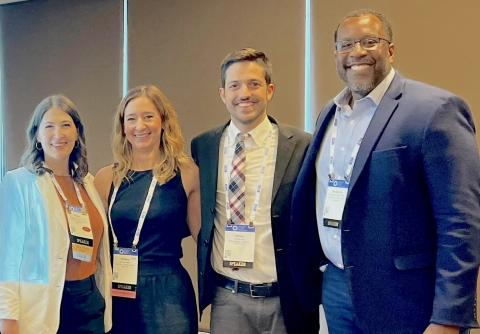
(247,80)
(140,112)
(53,122)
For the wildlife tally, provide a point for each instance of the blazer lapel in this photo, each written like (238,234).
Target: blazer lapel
(285,147)
(323,120)
(53,206)
(211,163)
(384,112)
(322,124)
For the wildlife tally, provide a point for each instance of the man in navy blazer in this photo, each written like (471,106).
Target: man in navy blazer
(387,200)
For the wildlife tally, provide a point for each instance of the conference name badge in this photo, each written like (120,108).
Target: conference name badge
(81,235)
(335,203)
(125,272)
(239,246)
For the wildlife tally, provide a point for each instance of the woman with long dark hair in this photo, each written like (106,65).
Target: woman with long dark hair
(55,272)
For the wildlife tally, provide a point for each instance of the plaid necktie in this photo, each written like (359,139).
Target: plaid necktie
(236,187)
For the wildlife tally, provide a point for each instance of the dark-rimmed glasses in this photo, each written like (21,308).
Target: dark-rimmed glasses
(367,43)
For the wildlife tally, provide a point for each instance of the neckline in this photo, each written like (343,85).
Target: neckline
(140,171)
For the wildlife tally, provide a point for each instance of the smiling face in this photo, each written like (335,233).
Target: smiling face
(360,69)
(57,134)
(246,94)
(142,125)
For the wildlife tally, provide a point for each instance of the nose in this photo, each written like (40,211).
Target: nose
(358,49)
(140,124)
(244,91)
(58,132)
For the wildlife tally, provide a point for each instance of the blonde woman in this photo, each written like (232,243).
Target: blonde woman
(152,196)
(55,272)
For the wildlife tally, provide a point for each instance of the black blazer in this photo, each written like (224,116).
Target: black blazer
(292,145)
(411,224)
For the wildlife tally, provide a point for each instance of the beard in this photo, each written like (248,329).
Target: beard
(362,85)
(362,88)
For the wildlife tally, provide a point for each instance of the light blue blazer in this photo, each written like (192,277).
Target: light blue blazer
(34,247)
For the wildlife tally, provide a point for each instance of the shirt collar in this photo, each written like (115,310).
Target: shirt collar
(376,95)
(259,134)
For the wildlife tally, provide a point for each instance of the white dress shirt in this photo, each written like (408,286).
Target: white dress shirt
(265,135)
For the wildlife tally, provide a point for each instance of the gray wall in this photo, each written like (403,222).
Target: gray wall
(179,46)
(61,46)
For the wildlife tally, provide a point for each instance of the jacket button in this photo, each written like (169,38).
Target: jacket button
(205,242)
(201,273)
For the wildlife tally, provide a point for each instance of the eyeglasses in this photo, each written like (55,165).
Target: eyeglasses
(367,43)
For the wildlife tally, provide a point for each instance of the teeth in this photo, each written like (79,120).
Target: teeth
(359,66)
(141,135)
(245,104)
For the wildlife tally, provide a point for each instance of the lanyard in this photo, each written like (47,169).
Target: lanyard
(62,194)
(258,189)
(142,217)
(351,161)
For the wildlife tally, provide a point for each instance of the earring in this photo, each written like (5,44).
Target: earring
(77,144)
(38,146)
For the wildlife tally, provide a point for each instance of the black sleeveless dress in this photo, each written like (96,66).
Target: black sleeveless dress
(165,301)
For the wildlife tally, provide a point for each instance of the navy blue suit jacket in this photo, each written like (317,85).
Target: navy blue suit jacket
(411,224)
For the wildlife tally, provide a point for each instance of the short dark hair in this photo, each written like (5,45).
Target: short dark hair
(246,54)
(363,12)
